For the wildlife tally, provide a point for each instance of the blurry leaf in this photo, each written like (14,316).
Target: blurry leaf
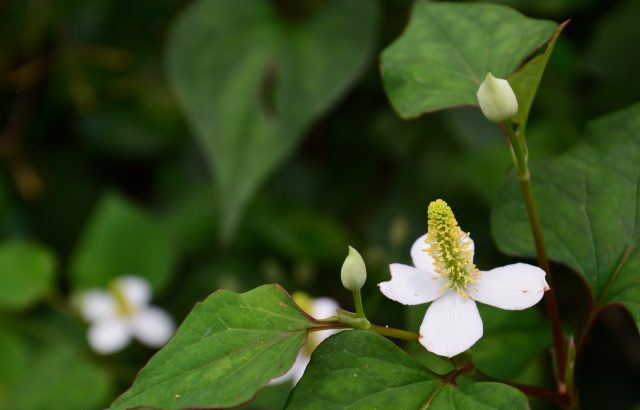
(26,273)
(228,347)
(120,239)
(447,49)
(58,378)
(193,218)
(526,80)
(297,232)
(589,205)
(13,360)
(613,57)
(522,336)
(251,81)
(361,370)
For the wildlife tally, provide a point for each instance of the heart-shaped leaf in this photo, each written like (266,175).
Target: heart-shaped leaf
(589,204)
(228,347)
(362,370)
(252,80)
(448,48)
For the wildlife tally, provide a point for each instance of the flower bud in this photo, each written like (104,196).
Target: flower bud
(496,98)
(354,271)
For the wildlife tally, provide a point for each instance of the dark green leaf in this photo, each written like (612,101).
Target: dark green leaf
(522,336)
(122,239)
(589,204)
(26,273)
(362,370)
(229,346)
(448,48)
(526,80)
(251,81)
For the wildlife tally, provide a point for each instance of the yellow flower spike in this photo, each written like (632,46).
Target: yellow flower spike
(448,247)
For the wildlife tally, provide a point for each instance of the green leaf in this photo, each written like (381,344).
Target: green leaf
(57,377)
(13,359)
(448,48)
(120,239)
(589,205)
(525,81)
(251,81)
(362,370)
(522,336)
(26,273)
(229,346)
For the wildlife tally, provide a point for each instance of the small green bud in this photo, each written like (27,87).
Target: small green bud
(497,100)
(354,271)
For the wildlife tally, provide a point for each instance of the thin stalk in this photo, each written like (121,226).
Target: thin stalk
(357,300)
(395,333)
(520,156)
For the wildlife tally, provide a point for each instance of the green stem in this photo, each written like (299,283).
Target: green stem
(520,155)
(381,330)
(357,300)
(395,333)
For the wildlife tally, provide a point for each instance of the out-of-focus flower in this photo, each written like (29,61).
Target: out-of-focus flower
(123,312)
(496,98)
(319,308)
(445,274)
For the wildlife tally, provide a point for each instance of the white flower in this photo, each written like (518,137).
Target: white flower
(496,98)
(123,312)
(318,308)
(445,274)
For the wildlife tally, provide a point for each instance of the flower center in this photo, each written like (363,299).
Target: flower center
(447,245)
(123,307)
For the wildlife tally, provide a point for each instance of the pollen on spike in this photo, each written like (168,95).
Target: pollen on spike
(449,247)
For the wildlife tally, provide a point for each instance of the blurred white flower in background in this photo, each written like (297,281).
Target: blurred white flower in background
(319,308)
(122,312)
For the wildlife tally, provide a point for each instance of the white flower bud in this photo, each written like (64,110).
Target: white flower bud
(496,98)
(354,271)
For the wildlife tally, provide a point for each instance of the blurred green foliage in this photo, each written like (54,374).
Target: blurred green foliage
(102,176)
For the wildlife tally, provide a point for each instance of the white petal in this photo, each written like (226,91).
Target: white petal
(412,286)
(294,374)
(511,287)
(422,260)
(135,289)
(298,368)
(323,307)
(108,336)
(96,305)
(152,326)
(451,326)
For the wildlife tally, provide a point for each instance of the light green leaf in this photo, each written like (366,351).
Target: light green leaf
(229,346)
(251,81)
(57,377)
(589,204)
(525,81)
(448,48)
(362,370)
(122,239)
(26,273)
